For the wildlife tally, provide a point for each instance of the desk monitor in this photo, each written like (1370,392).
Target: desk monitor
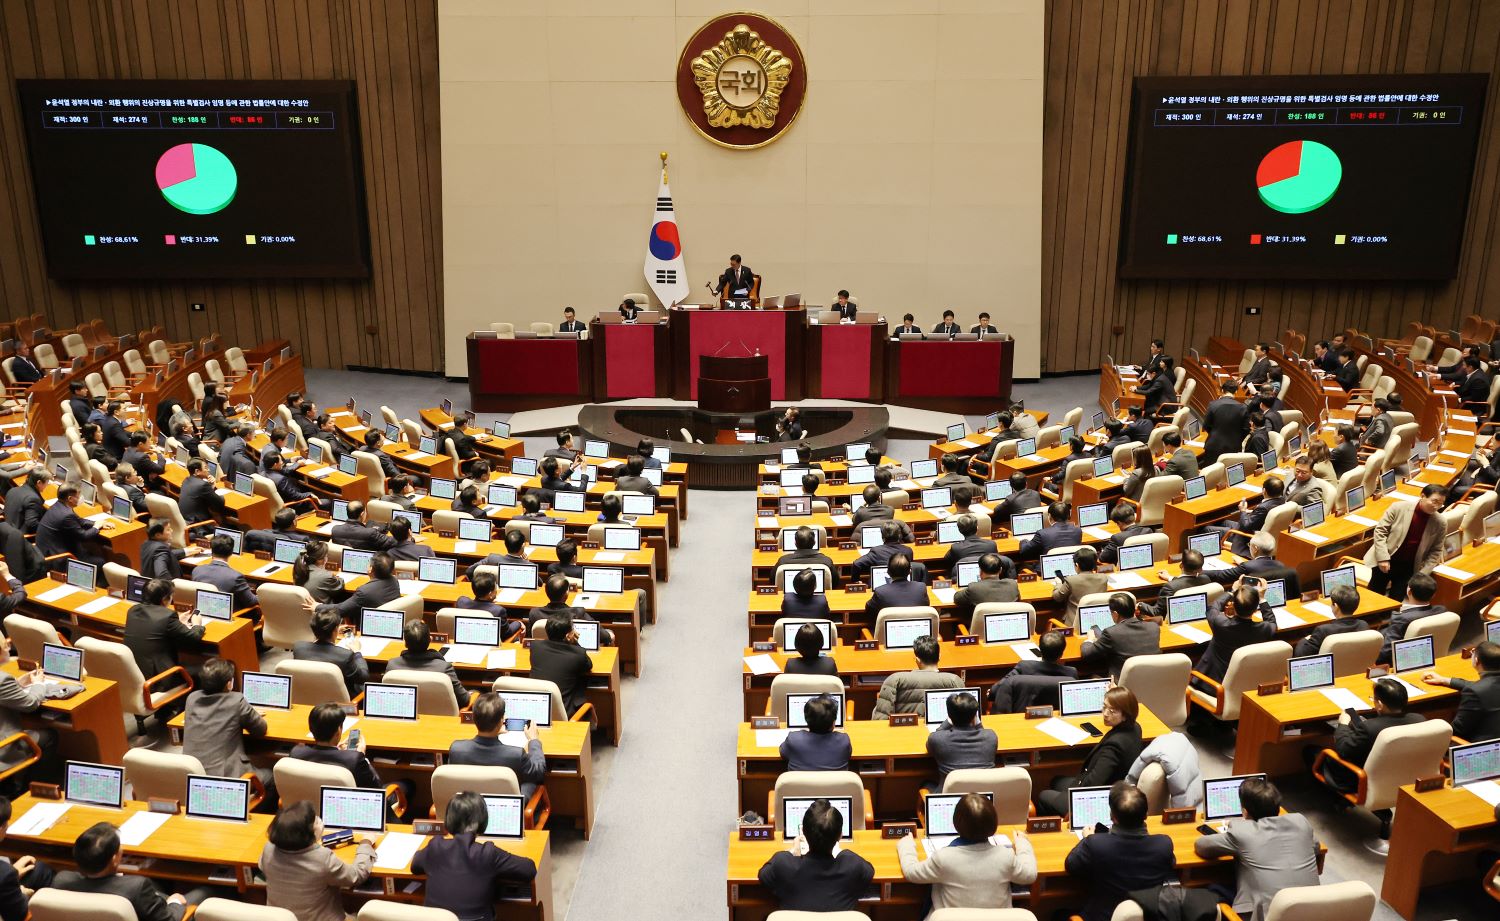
(1453,545)
(948,533)
(1193,428)
(392,432)
(314,453)
(1187,607)
(412,519)
(796,704)
(340,509)
(478,530)
(516,575)
(1354,500)
(854,453)
(938,497)
(546,535)
(1306,672)
(447,407)
(64,662)
(1413,654)
(476,631)
(355,808)
(1096,422)
(861,475)
(793,808)
(1475,762)
(622,539)
(215,605)
(442,488)
(937,811)
(135,588)
(1076,698)
(1234,474)
(238,537)
(794,506)
(1312,514)
(504,495)
(1492,524)
(789,539)
(243,484)
(1388,481)
(789,575)
(1087,807)
(1007,627)
(562,501)
(527,707)
(356,562)
(262,689)
(902,632)
(95,784)
(936,703)
(991,422)
(1058,564)
(1333,578)
(607,579)
(83,575)
(1195,488)
(587,632)
(637,505)
(390,701)
(1094,515)
(1135,556)
(956,431)
(1094,616)
(523,466)
(441,569)
(507,814)
(790,628)
(218,798)
(1026,447)
(1066,434)
(1104,466)
(1206,544)
(120,507)
(653,475)
(662,453)
(596,448)
(1025,524)
(856,502)
(879,575)
(500,429)
(1275,593)
(382,624)
(922,469)
(791,477)
(349,465)
(1221,797)
(966,572)
(1492,631)
(995,490)
(870,537)
(789,456)
(88,493)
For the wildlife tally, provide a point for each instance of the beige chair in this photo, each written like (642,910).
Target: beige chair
(283,617)
(445,519)
(1441,627)
(1009,786)
(114,377)
(185,591)
(1122,454)
(231,910)
(452,779)
(981,611)
(1347,481)
(434,690)
(789,915)
(368,466)
(262,486)
(1249,667)
(409,605)
(45,356)
(376,910)
(1047,436)
(159,774)
(234,356)
(503,330)
(1246,461)
(981,914)
(1156,442)
(597,529)
(315,683)
(1401,755)
(1161,547)
(1128,910)
(821,784)
(543,330)
(1155,496)
(1477,510)
(297,779)
(895,498)
(540,686)
(1398,449)
(380,511)
(782,685)
(905,613)
(412,432)
(1353,653)
(140,696)
(62,905)
(1073,417)
(165,507)
(1160,684)
(135,364)
(29,635)
(1353,900)
(1421,348)
(214,371)
(195,387)
(157,349)
(1077,470)
(74,345)
(116,576)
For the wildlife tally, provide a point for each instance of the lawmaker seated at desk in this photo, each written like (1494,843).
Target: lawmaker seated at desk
(309,573)
(1135,632)
(96,853)
(975,870)
(487,749)
(1109,760)
(1034,682)
(332,644)
(906,692)
(819,747)
(1354,737)
(463,873)
(807,552)
(961,742)
(996,582)
(481,597)
(562,661)
(1478,716)
(419,655)
(1344,600)
(1111,864)
(1272,850)
(325,724)
(810,877)
(304,877)
(804,600)
(810,660)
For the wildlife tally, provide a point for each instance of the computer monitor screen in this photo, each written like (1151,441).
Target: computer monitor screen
(356,808)
(238,537)
(1066,433)
(796,704)
(1206,544)
(218,797)
(1195,488)
(1092,616)
(287,550)
(966,572)
(1187,607)
(789,633)
(1354,499)
(1076,698)
(1104,466)
(991,421)
(1333,578)
(507,813)
(1294,444)
(442,488)
(634,506)
(135,588)
(392,431)
(861,475)
(1234,474)
(995,490)
(437,569)
(1087,807)
(941,497)
(266,690)
(562,501)
(546,535)
(788,455)
(1094,515)
(412,519)
(789,576)
(349,465)
(902,632)
(1304,672)
(956,431)
(622,539)
(120,507)
(653,475)
(427,444)
(879,575)
(937,702)
(390,701)
(315,453)
(1026,447)
(356,562)
(82,575)
(948,533)
(504,495)
(476,631)
(447,407)
(1058,564)
(662,454)
(791,477)
(215,605)
(938,809)
(595,448)
(523,466)
(1221,797)
(870,537)
(1135,556)
(516,575)
(475,529)
(1312,514)
(1475,762)
(922,469)
(608,579)
(794,506)
(1412,654)
(64,662)
(1096,422)
(243,484)
(340,510)
(528,706)
(88,493)
(1388,481)
(587,632)
(1492,631)
(95,784)
(380,623)
(500,429)
(1025,524)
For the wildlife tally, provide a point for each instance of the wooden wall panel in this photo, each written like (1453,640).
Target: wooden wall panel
(1095,48)
(389,47)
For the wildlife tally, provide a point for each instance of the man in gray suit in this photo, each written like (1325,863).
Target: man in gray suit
(632,478)
(216,721)
(1134,634)
(1272,851)
(1182,462)
(873,509)
(1086,581)
(962,742)
(97,854)
(997,582)
(486,748)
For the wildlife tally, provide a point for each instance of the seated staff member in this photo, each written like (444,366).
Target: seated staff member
(1123,516)
(1110,759)
(970,545)
(948,327)
(804,600)
(564,447)
(908,327)
(304,877)
(374,438)
(818,880)
(420,656)
(1058,532)
(984,327)
(810,659)
(906,692)
(401,492)
(326,647)
(846,308)
(487,750)
(961,741)
(1034,682)
(629,310)
(1478,716)
(819,747)
(462,872)
(97,855)
(23,693)
(1125,859)
(63,533)
(515,545)
(557,588)
(570,323)
(974,871)
(216,722)
(325,723)
(630,479)
(1271,851)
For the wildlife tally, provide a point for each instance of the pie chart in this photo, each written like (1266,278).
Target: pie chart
(196,178)
(1298,176)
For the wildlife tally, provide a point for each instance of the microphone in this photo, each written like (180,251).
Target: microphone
(722,348)
(747,348)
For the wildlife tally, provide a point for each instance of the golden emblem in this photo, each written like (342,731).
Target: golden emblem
(741,79)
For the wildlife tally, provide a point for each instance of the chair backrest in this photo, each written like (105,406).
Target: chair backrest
(116,575)
(195,386)
(185,591)
(434,690)
(29,635)
(62,905)
(1250,667)
(236,358)
(1247,361)
(504,330)
(1048,435)
(74,345)
(300,779)
(1160,544)
(376,910)
(157,349)
(1353,900)
(45,356)
(1011,787)
(535,686)
(452,779)
(98,474)
(262,486)
(1160,684)
(380,511)
(159,774)
(542,329)
(821,783)
(982,914)
(231,910)
(1077,470)
(1157,493)
(1122,454)
(1403,439)
(283,619)
(906,613)
(1347,481)
(165,507)
(410,605)
(798,567)
(447,519)
(1074,417)
(981,611)
(895,498)
(1353,652)
(1441,627)
(1479,508)
(314,683)
(1280,517)
(134,363)
(1155,441)
(114,376)
(368,466)
(1370,376)
(1153,783)
(1421,348)
(115,662)
(1244,459)
(1401,755)
(1128,910)
(412,431)
(782,685)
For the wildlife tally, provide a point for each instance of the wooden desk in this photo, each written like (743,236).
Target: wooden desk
(253,511)
(408,459)
(503,450)
(334,483)
(92,722)
(975,440)
(1434,839)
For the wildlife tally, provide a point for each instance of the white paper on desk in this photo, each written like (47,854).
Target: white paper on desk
(141,826)
(372,645)
(1453,572)
(1115,478)
(1403,496)
(966,443)
(98,604)
(1213,564)
(509,595)
(510,479)
(356,431)
(528,550)
(1412,690)
(95,519)
(944,595)
(1066,733)
(609,556)
(1318,608)
(1466,433)
(1247,487)
(1487,790)
(410,586)
(515,737)
(56,594)
(1313,537)
(1441,468)
(1458,418)
(1345,699)
(465,546)
(317,473)
(327,526)
(1458,454)
(223,491)
(1026,652)
(1194,444)
(1191,633)
(396,850)
(501,658)
(1121,580)
(1286,620)
(906,484)
(342,412)
(1097,533)
(270,569)
(586,600)
(770,738)
(762,664)
(418,455)
(1360,520)
(39,818)
(843,521)
(466,654)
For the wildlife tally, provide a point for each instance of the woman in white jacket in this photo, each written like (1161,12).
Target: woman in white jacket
(1179,761)
(971,871)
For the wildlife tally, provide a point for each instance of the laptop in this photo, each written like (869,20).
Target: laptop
(788,576)
(516,575)
(215,605)
(596,449)
(790,628)
(1306,672)
(286,550)
(635,506)
(1187,607)
(1087,807)
(83,575)
(1094,619)
(1025,524)
(354,808)
(1054,565)
(437,569)
(937,813)
(62,662)
(507,816)
(1135,556)
(1333,578)
(475,529)
(606,579)
(793,808)
(1413,654)
(381,624)
(94,784)
(948,533)
(442,488)
(1093,516)
(1475,762)
(522,707)
(994,490)
(476,631)
(587,632)
(923,469)
(546,535)
(936,703)
(1312,514)
(902,632)
(622,539)
(120,508)
(1195,488)
(1388,481)
(1079,698)
(796,705)
(938,497)
(794,506)
(1492,631)
(267,691)
(1221,797)
(356,562)
(349,464)
(562,501)
(390,701)
(224,798)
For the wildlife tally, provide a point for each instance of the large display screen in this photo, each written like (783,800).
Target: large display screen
(1313,177)
(197,178)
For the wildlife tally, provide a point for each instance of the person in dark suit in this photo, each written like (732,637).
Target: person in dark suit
(1116,436)
(97,855)
(358,533)
(373,441)
(1253,518)
(1272,851)
(23,368)
(19,878)
(1156,359)
(234,453)
(470,501)
(24,506)
(155,633)
(556,589)
(1124,518)
(1325,359)
(62,531)
(846,308)
(807,552)
(564,447)
(908,327)
(1420,589)
(997,582)
(283,527)
(487,750)
(1156,391)
(954,472)
(1125,859)
(482,590)
(1475,385)
(629,310)
(79,404)
(1223,426)
(736,281)
(1260,369)
(819,747)
(873,509)
(1058,532)
(947,327)
(567,561)
(325,724)
(198,500)
(1192,576)
(1076,452)
(1354,736)
(817,880)
(139,455)
(218,573)
(159,559)
(554,479)
(326,646)
(984,327)
(901,591)
(969,546)
(275,444)
(462,872)
(515,545)
(1259,440)
(405,548)
(810,658)
(1478,716)
(381,588)
(1380,427)
(804,600)
(1033,683)
(570,323)
(1110,759)
(1135,633)
(1262,564)
(646,448)
(561,660)
(288,489)
(891,532)
(789,427)
(419,655)
(21,556)
(631,480)
(962,742)
(1347,373)
(1086,580)
(1344,601)
(1345,455)
(1230,620)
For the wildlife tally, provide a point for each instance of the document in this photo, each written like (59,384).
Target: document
(1097,533)
(1345,699)
(410,586)
(1360,520)
(1441,468)
(372,646)
(509,595)
(1412,690)
(1453,572)
(141,826)
(609,556)
(465,546)
(1247,487)
(763,664)
(56,594)
(269,569)
(1318,608)
(39,818)
(842,521)
(1122,580)
(464,654)
(396,849)
(1026,652)
(501,658)
(510,479)
(418,455)
(1313,537)
(98,604)
(770,738)
(1487,790)
(1191,633)
(966,443)
(1286,620)
(944,595)
(1062,731)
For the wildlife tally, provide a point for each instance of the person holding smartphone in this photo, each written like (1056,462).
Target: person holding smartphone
(488,750)
(1110,759)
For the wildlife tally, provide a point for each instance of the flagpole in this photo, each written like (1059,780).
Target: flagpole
(663,166)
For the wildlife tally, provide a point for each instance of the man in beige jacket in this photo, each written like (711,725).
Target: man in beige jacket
(1408,539)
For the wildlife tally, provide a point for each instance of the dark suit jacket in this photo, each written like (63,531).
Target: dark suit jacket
(1347,375)
(881,556)
(160,560)
(1017,502)
(1062,534)
(198,501)
(1112,757)
(1259,441)
(234,458)
(350,759)
(1129,637)
(1310,644)
(627,483)
(793,605)
(1354,740)
(901,593)
(432,661)
(571,326)
(1262,567)
(1259,372)
(1175,585)
(1230,634)
(1109,551)
(528,763)
(287,487)
(116,439)
(81,409)
(143,463)
(1344,458)
(967,549)
(814,555)
(1019,690)
(226,578)
(24,508)
(956,748)
(361,536)
(806,750)
(816,883)
(24,559)
(565,664)
(1119,862)
(847,311)
(263,539)
(1401,618)
(877,512)
(947,329)
(62,531)
(410,551)
(1475,388)
(355,669)
(372,594)
(154,635)
(1478,716)
(462,874)
(732,279)
(141,892)
(1225,425)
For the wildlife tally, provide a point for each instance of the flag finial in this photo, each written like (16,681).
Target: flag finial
(663,166)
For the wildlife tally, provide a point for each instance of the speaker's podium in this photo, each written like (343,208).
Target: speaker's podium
(734,384)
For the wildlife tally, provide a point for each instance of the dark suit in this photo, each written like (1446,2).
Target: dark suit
(1108,762)
(288,488)
(971,596)
(816,751)
(947,329)
(904,330)
(877,512)
(410,551)
(1175,585)
(372,594)
(528,763)
(571,326)
(1231,634)
(1310,644)
(900,593)
(734,279)
(1329,363)
(1261,567)
(813,555)
(1129,637)
(1259,372)
(350,759)
(355,669)
(24,370)
(1061,534)
(565,664)
(1347,375)
(62,531)
(956,748)
(627,483)
(1250,521)
(1119,862)
(815,882)
(881,556)
(967,549)
(1378,432)
(1344,458)
(226,578)
(143,464)
(234,457)
(1017,502)
(433,661)
(24,559)
(160,560)
(1478,716)
(81,408)
(814,606)
(361,536)
(24,508)
(463,874)
(141,892)
(154,635)
(983,330)
(1353,742)
(1224,425)
(1156,393)
(846,311)
(1401,618)
(199,501)
(1259,442)
(265,540)
(1475,388)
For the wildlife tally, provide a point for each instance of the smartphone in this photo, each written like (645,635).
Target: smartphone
(1207,829)
(1091,729)
(354,738)
(513,724)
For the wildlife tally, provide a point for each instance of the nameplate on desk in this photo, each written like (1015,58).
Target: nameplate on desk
(1039,712)
(757,833)
(163,805)
(349,709)
(427,827)
(466,717)
(588,545)
(41,790)
(765,590)
(966,641)
(323,516)
(1426,784)
(763,647)
(904,719)
(765,513)
(764,722)
(261,555)
(1269,688)
(438,638)
(27,665)
(1041,825)
(1184,816)
(912,507)
(766,548)
(856,588)
(925,541)
(848,545)
(866,645)
(891,831)
(1026,577)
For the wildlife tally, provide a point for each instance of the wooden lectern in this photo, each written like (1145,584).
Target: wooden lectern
(734,384)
